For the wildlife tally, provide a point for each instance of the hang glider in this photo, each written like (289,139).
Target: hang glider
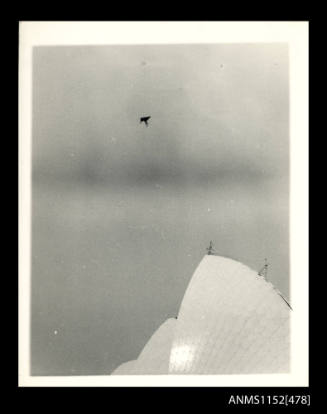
(145,119)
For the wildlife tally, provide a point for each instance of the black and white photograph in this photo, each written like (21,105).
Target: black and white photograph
(158,194)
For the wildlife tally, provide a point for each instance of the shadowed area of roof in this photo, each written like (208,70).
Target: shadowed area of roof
(154,358)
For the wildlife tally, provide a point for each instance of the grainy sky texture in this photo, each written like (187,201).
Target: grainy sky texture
(122,213)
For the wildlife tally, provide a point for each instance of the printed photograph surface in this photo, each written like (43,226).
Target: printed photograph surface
(142,155)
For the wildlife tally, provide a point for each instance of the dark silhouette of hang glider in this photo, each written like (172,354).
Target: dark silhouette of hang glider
(145,119)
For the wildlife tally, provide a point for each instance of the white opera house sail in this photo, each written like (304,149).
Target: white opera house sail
(231,321)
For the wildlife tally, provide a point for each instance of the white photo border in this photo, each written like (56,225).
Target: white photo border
(115,33)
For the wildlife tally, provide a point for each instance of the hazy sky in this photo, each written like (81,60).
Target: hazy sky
(215,110)
(122,213)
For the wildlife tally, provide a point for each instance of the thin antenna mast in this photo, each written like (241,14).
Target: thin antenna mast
(210,248)
(264,270)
